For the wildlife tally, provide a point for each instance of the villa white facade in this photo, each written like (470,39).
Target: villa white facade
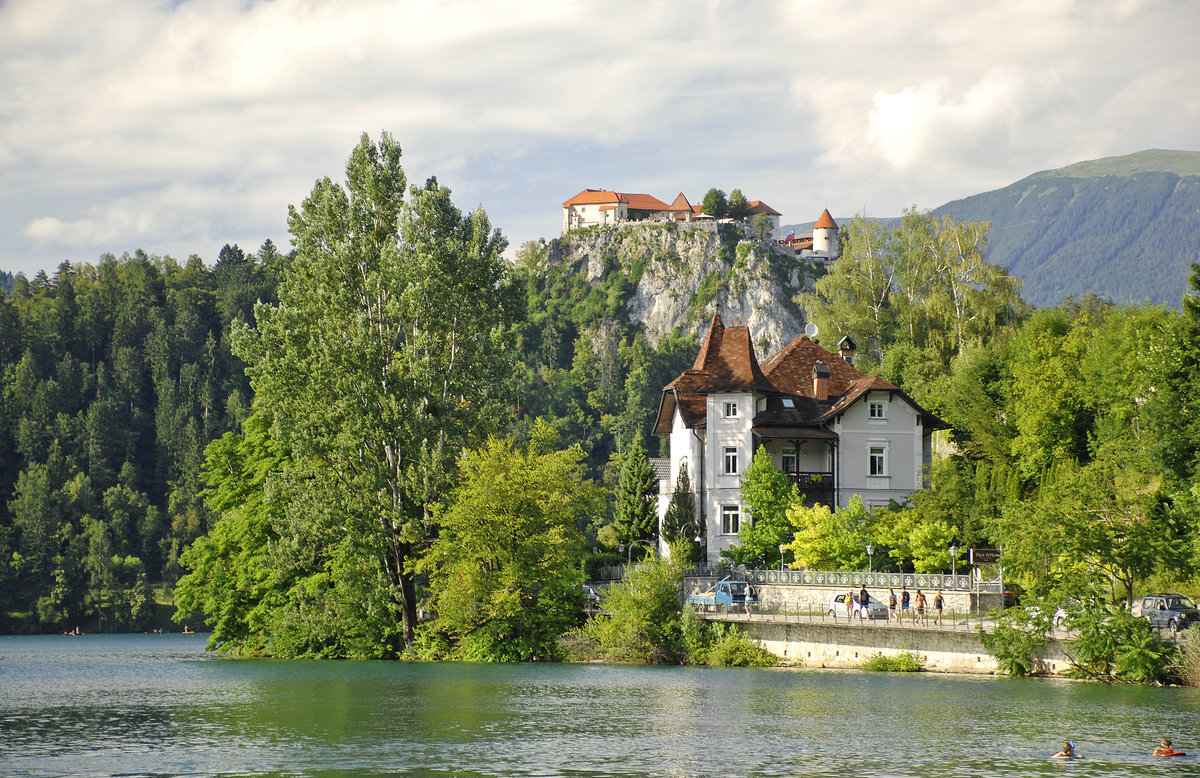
(836,431)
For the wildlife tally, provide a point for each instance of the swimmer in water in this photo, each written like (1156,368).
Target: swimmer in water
(1068,752)
(1166,750)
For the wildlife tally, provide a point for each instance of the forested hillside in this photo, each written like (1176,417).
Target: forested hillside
(116,376)
(1123,228)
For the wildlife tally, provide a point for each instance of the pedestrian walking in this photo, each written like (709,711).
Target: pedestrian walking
(864,599)
(849,603)
(903,602)
(939,602)
(891,604)
(921,608)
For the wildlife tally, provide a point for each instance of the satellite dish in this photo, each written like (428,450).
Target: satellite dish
(810,330)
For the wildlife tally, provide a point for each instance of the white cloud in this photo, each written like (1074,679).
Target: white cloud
(176,126)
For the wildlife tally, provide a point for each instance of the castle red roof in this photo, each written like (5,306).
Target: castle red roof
(638,202)
(826,221)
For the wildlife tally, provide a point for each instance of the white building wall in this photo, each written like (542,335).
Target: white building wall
(899,434)
(724,489)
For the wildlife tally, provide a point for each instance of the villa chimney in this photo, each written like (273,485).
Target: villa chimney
(820,376)
(846,350)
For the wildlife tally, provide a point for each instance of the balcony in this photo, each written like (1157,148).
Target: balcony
(817,488)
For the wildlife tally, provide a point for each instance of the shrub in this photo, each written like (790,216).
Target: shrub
(1187,661)
(1118,647)
(641,622)
(1014,640)
(904,662)
(728,647)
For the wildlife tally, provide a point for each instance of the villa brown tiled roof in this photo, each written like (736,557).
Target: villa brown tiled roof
(790,369)
(726,363)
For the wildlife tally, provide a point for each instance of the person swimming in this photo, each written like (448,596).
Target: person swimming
(1068,751)
(1166,750)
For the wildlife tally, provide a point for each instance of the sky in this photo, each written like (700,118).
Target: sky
(178,127)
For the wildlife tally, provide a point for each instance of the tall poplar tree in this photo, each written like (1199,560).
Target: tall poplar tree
(390,350)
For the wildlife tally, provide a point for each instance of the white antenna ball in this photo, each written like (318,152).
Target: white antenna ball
(810,330)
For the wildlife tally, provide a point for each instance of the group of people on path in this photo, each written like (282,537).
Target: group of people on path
(1165,749)
(898,606)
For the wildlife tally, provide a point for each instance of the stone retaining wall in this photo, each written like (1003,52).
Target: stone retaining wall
(849,645)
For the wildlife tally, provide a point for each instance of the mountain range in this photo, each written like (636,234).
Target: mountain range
(1125,228)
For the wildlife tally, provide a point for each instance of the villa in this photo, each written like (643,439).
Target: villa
(836,431)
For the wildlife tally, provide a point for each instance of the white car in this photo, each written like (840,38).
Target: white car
(875,609)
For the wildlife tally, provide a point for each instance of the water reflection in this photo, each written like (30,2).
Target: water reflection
(158,705)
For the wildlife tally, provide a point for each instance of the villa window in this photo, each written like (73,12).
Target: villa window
(730,409)
(730,519)
(789,460)
(731,460)
(878,460)
(878,410)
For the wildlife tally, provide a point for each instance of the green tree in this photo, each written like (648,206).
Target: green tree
(504,573)
(737,207)
(681,512)
(390,349)
(714,204)
(830,541)
(636,515)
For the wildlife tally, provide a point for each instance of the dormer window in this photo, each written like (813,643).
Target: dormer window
(729,409)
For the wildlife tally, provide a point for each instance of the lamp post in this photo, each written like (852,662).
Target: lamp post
(870,561)
(781,557)
(632,543)
(953,566)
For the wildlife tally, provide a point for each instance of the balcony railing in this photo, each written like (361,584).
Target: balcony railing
(812,481)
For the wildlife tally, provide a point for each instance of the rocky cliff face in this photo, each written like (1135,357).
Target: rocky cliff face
(679,276)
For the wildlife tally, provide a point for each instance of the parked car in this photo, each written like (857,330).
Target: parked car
(875,609)
(1173,611)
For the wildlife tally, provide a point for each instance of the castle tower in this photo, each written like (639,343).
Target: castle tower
(825,236)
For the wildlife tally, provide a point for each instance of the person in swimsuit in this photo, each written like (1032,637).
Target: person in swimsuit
(1165,749)
(903,602)
(939,602)
(921,608)
(1068,752)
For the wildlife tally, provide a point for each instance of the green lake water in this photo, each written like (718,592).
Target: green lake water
(149,705)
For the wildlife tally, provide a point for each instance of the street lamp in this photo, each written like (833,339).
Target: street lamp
(870,553)
(781,557)
(953,566)
(632,543)
(691,524)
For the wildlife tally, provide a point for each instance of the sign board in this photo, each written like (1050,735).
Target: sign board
(985,556)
